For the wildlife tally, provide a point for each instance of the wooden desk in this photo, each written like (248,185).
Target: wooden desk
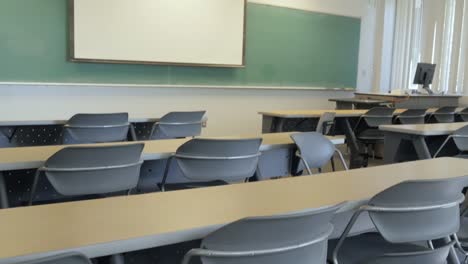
(276,121)
(357,103)
(275,162)
(120,224)
(424,138)
(42,132)
(413,101)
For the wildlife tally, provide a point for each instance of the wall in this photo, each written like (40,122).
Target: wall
(230,111)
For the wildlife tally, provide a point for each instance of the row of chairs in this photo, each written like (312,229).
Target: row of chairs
(413,222)
(99,170)
(115,127)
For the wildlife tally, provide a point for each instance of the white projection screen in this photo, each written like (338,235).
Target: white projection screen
(174,32)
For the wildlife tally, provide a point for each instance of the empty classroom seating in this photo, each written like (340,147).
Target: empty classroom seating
(213,161)
(314,151)
(460,138)
(412,116)
(81,171)
(367,128)
(96,128)
(298,237)
(444,115)
(178,125)
(400,215)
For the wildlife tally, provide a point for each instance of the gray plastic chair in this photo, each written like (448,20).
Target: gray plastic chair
(445,114)
(315,151)
(96,128)
(75,171)
(325,123)
(66,258)
(367,128)
(299,237)
(178,125)
(464,114)
(221,161)
(400,215)
(412,116)
(436,256)
(460,138)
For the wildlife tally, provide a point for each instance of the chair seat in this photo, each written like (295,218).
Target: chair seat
(366,247)
(371,135)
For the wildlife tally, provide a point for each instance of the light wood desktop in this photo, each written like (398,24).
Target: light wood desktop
(397,138)
(115,225)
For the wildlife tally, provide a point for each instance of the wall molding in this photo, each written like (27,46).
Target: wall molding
(222,87)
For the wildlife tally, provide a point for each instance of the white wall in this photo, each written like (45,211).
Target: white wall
(230,111)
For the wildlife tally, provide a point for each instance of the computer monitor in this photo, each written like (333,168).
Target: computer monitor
(424,75)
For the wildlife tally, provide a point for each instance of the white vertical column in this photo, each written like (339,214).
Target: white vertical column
(367,43)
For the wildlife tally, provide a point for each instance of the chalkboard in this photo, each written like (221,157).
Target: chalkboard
(284,47)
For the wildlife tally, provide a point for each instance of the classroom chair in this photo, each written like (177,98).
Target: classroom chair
(81,171)
(444,115)
(314,151)
(207,162)
(96,128)
(64,258)
(464,115)
(178,125)
(298,237)
(326,123)
(400,215)
(436,256)
(367,129)
(460,138)
(412,116)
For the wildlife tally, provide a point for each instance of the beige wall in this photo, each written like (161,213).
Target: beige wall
(230,111)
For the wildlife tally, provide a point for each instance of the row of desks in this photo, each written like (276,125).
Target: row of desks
(276,147)
(121,224)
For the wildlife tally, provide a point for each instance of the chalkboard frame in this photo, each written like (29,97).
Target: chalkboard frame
(72,58)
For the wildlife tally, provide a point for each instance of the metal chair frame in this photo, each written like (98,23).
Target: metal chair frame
(446,141)
(309,170)
(370,208)
(233,254)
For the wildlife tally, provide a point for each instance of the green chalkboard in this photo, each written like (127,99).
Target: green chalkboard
(284,47)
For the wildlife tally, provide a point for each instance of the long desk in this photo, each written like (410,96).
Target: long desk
(275,161)
(403,141)
(121,224)
(42,132)
(299,120)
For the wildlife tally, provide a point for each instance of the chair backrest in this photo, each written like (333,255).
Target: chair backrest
(378,116)
(96,128)
(274,232)
(230,160)
(314,148)
(437,256)
(464,114)
(65,258)
(412,116)
(178,125)
(324,123)
(445,114)
(460,137)
(418,210)
(94,170)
